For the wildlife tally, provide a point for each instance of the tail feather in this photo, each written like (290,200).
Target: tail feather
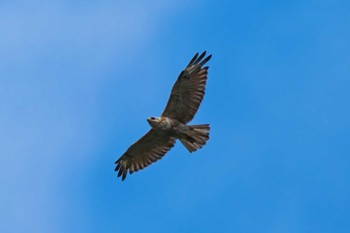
(196,138)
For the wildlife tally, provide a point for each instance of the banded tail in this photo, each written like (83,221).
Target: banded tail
(197,135)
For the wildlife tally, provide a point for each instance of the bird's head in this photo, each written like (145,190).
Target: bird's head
(153,121)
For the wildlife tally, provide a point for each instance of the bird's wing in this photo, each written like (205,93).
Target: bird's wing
(148,149)
(188,90)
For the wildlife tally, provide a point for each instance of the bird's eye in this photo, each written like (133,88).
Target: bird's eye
(152,118)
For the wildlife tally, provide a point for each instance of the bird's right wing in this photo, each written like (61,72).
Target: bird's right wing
(148,149)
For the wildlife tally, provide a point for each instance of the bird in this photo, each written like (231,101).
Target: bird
(186,96)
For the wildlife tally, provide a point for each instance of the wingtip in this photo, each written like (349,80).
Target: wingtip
(193,59)
(121,172)
(124,175)
(205,60)
(200,57)
(117,167)
(197,59)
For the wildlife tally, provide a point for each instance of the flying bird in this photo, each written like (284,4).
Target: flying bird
(185,98)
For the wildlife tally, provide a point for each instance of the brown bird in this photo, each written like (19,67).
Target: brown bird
(185,98)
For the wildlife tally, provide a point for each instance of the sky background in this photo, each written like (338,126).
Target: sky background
(79,78)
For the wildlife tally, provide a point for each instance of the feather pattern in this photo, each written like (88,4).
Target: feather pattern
(188,91)
(148,149)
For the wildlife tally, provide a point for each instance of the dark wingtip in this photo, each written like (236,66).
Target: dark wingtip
(196,60)
(200,57)
(117,167)
(205,60)
(118,160)
(124,175)
(120,172)
(193,59)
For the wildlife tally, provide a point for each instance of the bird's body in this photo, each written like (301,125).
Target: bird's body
(174,128)
(184,101)
(169,126)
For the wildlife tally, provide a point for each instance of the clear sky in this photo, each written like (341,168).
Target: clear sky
(79,78)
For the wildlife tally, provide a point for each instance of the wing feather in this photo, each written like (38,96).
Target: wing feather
(188,90)
(148,149)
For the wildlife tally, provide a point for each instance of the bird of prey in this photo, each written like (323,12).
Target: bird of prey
(185,98)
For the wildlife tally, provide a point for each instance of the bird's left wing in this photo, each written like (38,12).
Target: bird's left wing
(148,149)
(188,90)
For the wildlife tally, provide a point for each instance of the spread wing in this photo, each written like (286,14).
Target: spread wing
(148,149)
(188,90)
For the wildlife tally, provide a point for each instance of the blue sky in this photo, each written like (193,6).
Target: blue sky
(78,80)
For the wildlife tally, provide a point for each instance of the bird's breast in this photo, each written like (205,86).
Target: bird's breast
(166,123)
